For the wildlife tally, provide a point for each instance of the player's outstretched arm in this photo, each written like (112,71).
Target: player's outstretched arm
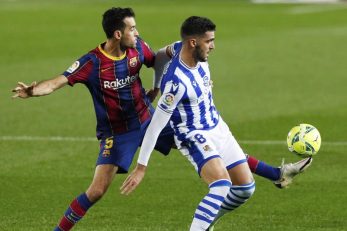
(39,89)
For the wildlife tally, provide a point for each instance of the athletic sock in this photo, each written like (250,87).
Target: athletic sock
(74,213)
(262,169)
(210,205)
(237,196)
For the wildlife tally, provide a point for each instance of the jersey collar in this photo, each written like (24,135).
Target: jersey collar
(115,58)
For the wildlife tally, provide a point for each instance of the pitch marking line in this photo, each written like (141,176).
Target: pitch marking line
(93,139)
(47,138)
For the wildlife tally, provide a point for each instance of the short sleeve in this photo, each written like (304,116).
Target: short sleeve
(172,94)
(80,70)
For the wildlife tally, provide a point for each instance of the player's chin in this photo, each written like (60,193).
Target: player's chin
(133,44)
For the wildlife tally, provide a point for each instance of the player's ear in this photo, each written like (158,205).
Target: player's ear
(192,42)
(117,34)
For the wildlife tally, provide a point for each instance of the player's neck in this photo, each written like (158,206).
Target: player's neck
(113,48)
(187,58)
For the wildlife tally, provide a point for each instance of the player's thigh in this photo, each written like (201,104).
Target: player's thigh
(213,170)
(119,150)
(198,148)
(104,175)
(230,151)
(240,174)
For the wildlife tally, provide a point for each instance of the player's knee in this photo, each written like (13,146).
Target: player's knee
(244,191)
(96,193)
(220,187)
(249,191)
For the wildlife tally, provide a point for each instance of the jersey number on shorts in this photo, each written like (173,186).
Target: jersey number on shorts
(200,138)
(109,143)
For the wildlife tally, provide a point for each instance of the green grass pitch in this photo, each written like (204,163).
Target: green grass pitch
(274,66)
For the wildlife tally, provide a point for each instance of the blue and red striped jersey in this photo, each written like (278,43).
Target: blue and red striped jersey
(114,83)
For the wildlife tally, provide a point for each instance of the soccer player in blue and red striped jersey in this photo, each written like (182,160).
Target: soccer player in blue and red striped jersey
(122,107)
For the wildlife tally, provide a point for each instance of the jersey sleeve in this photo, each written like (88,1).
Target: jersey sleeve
(173,92)
(148,54)
(174,48)
(79,71)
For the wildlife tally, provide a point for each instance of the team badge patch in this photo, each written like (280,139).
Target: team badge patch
(207,148)
(133,62)
(106,153)
(168,99)
(73,67)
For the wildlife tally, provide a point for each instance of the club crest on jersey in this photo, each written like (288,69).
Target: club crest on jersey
(73,67)
(168,99)
(133,62)
(207,148)
(106,153)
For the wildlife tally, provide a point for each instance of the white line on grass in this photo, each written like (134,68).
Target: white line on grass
(93,139)
(312,9)
(47,138)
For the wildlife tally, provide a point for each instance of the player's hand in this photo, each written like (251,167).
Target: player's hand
(133,180)
(152,93)
(23,91)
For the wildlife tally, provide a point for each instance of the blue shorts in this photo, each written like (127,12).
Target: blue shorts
(120,150)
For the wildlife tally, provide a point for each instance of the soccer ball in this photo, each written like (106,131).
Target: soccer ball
(304,140)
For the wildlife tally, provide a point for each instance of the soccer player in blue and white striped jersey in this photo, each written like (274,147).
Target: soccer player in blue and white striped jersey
(200,132)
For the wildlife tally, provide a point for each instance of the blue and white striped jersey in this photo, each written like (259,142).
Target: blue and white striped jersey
(187,95)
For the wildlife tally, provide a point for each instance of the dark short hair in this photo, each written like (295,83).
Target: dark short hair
(196,25)
(112,19)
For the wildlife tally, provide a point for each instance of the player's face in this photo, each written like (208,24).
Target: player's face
(203,46)
(129,36)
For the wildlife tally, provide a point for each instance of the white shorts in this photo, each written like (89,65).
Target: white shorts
(203,145)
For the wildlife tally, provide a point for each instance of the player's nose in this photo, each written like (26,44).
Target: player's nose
(136,33)
(212,46)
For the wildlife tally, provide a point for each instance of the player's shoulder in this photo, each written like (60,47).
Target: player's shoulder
(173,49)
(140,44)
(171,70)
(85,58)
(170,77)
(96,52)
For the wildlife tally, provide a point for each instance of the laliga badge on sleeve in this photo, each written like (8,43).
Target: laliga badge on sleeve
(73,67)
(168,99)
